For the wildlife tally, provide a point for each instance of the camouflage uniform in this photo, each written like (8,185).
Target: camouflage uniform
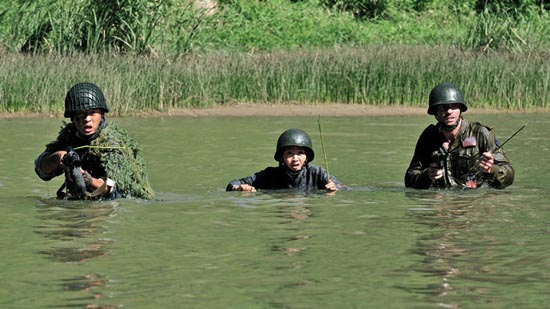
(110,155)
(459,162)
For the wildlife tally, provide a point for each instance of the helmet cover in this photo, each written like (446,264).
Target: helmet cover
(84,96)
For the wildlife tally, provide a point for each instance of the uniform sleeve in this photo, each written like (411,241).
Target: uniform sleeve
(416,175)
(502,173)
(323,180)
(59,143)
(237,182)
(40,173)
(338,183)
(263,179)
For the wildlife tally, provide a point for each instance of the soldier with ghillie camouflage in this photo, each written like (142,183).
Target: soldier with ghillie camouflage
(294,152)
(456,152)
(109,161)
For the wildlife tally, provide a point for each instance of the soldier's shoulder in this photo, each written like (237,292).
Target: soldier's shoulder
(115,135)
(478,126)
(114,128)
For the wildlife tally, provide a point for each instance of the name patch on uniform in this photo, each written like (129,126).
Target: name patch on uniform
(469,142)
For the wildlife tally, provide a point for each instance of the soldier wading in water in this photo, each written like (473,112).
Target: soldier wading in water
(294,152)
(99,160)
(456,152)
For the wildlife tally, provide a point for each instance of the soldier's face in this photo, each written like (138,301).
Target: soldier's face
(448,114)
(294,158)
(87,122)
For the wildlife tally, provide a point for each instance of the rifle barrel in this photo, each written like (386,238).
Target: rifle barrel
(511,136)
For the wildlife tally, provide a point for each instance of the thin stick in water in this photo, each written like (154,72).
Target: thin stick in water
(323,145)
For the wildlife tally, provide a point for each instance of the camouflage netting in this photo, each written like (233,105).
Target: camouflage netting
(116,152)
(121,157)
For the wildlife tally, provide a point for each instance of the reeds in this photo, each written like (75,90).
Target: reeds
(505,31)
(379,75)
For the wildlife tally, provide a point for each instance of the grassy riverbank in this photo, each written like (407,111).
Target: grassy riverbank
(375,75)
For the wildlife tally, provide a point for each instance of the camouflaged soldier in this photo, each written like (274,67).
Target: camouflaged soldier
(294,152)
(456,152)
(110,162)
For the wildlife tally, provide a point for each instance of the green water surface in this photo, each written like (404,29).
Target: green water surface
(378,245)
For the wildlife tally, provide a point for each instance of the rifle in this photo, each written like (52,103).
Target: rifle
(440,158)
(475,171)
(511,136)
(74,181)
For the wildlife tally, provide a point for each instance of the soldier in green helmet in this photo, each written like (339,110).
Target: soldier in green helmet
(456,152)
(109,161)
(294,152)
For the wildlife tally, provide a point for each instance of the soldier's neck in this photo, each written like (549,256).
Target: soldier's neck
(451,135)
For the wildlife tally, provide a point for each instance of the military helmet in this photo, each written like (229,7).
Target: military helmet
(294,137)
(445,93)
(84,96)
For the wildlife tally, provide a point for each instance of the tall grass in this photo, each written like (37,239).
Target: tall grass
(509,32)
(81,25)
(395,75)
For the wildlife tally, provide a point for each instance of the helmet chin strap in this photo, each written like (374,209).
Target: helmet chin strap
(451,127)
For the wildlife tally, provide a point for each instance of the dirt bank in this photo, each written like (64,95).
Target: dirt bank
(255,109)
(258,109)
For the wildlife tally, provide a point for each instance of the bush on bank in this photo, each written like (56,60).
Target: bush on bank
(158,55)
(176,27)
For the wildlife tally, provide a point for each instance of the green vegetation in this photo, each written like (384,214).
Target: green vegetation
(372,75)
(157,55)
(176,27)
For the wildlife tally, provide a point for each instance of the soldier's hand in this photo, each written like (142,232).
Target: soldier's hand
(331,186)
(435,172)
(486,162)
(59,155)
(245,188)
(52,162)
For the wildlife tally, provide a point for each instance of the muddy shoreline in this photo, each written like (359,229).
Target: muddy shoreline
(286,110)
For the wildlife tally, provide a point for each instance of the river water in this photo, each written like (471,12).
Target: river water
(378,245)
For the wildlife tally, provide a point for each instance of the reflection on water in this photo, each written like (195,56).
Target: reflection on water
(447,216)
(75,231)
(463,248)
(296,213)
